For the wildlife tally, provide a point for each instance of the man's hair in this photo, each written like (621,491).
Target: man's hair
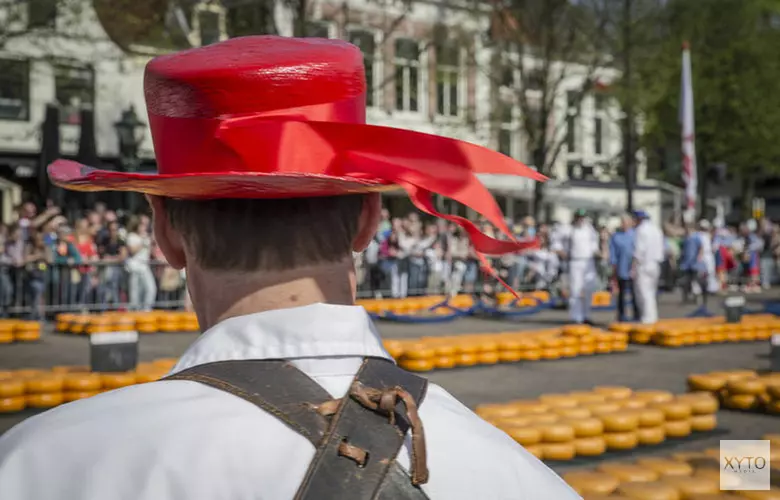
(266,234)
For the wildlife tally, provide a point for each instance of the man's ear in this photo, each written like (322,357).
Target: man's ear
(368,222)
(168,239)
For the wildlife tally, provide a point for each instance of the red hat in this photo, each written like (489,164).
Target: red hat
(273,117)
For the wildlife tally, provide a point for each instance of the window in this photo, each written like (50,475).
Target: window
(209,27)
(597,135)
(506,130)
(535,79)
(74,91)
(407,75)
(41,13)
(364,40)
(317,29)
(249,19)
(447,75)
(508,76)
(14,90)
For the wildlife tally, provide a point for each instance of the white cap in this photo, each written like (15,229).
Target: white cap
(704,224)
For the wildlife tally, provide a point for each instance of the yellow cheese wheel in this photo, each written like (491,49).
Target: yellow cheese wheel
(6,374)
(632,404)
(45,400)
(678,428)
(586,427)
(27,335)
(29,372)
(733,375)
(75,395)
(654,396)
(584,397)
(773,407)
(773,389)
(78,382)
(613,392)
(599,408)
(569,341)
(741,401)
(556,433)
(496,410)
(689,486)
(649,417)
(543,418)
(11,388)
(417,365)
(535,450)
(571,413)
(466,359)
(117,380)
(515,421)
(558,400)
(529,407)
(532,354)
(590,446)
(628,473)
(43,384)
(488,357)
(12,404)
(666,466)
(6,338)
(619,346)
(702,423)
(419,351)
(649,436)
(558,451)
(619,421)
(149,376)
(165,363)
(621,440)
(444,350)
(510,356)
(771,494)
(444,362)
(603,347)
(701,403)
(586,482)
(641,338)
(649,491)
(621,327)
(394,348)
(576,330)
(746,386)
(551,353)
(570,351)
(586,349)
(524,435)
(674,410)
(708,383)
(551,342)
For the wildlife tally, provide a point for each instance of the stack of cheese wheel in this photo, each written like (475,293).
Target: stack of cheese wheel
(681,476)
(606,418)
(741,389)
(146,322)
(700,331)
(427,353)
(41,389)
(14,330)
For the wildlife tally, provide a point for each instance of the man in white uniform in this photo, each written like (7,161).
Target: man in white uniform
(583,247)
(648,256)
(273,285)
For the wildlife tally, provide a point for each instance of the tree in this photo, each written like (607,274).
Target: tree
(549,54)
(735,71)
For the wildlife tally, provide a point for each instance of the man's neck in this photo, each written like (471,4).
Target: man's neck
(218,296)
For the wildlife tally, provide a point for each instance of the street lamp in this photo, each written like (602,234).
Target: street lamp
(130,132)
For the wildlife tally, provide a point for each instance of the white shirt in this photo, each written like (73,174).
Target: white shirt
(584,242)
(649,244)
(180,440)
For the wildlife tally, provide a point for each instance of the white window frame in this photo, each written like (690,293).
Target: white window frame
(209,7)
(420,65)
(457,71)
(603,115)
(377,66)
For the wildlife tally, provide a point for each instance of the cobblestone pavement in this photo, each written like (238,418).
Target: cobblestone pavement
(642,367)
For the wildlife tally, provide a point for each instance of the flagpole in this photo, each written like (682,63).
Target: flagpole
(688,137)
(628,127)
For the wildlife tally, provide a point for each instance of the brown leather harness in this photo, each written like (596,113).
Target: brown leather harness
(357,437)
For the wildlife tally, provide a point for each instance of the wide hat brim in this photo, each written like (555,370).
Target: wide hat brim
(75,176)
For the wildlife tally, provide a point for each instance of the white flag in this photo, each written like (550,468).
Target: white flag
(689,172)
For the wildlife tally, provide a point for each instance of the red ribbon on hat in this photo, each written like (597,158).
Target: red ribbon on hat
(333,139)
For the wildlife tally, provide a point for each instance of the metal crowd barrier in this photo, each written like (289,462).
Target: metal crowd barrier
(38,291)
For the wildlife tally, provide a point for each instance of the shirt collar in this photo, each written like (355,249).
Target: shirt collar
(313,331)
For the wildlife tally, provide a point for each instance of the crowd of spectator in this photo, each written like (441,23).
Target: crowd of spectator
(100,259)
(106,259)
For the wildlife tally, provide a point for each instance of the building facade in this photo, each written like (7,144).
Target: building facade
(428,68)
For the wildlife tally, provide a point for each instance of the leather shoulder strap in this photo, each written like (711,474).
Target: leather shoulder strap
(358,423)
(358,453)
